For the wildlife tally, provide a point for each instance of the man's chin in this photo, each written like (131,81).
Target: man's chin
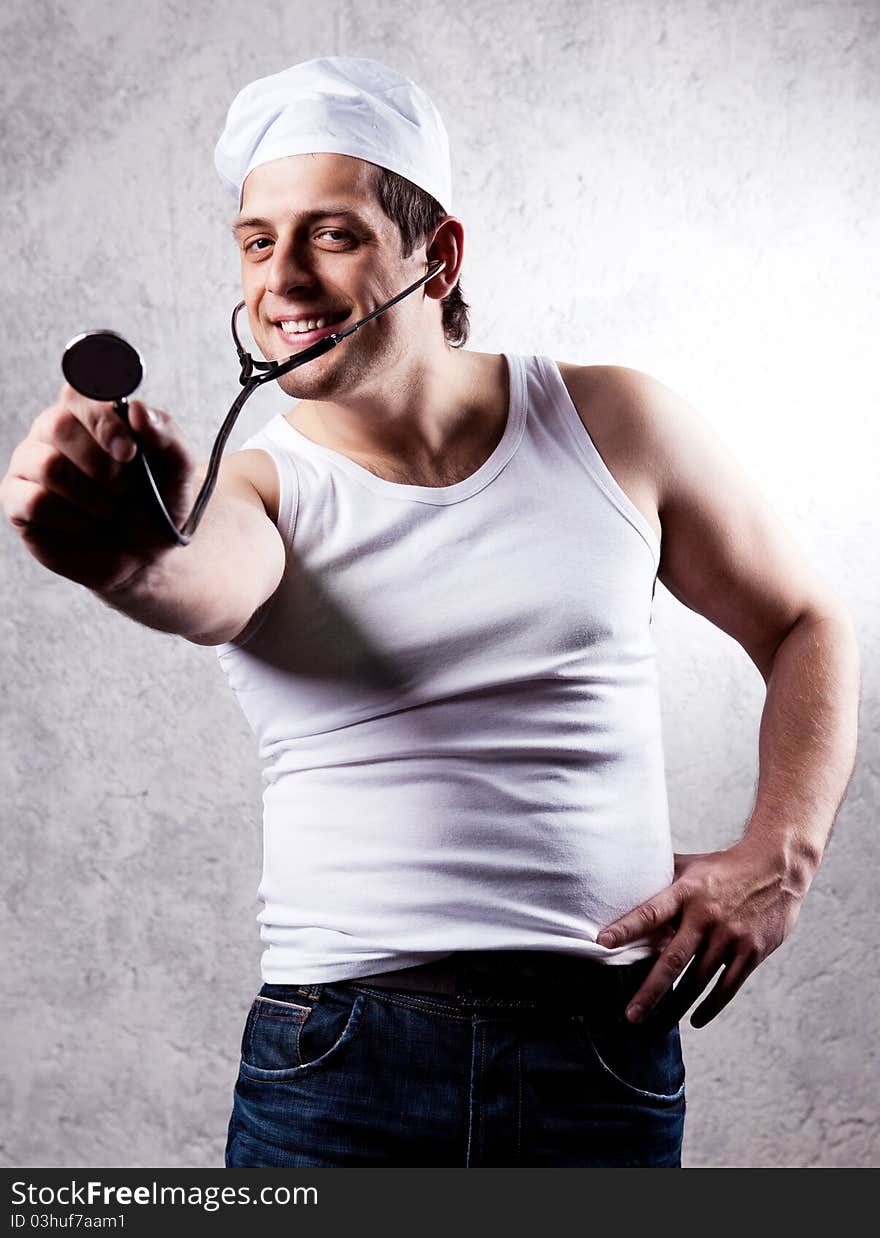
(343,369)
(310,382)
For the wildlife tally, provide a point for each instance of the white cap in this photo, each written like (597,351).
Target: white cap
(343,106)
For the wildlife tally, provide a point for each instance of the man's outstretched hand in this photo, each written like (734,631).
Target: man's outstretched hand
(727,908)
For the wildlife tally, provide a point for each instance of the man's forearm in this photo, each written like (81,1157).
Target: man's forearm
(205,587)
(808,740)
(175,595)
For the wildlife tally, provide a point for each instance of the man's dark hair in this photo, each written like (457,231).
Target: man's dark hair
(416,214)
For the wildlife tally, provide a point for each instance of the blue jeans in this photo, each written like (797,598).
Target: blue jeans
(349,1074)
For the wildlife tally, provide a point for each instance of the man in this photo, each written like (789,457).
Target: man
(430,584)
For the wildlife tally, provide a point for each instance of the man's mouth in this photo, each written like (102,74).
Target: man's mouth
(301,333)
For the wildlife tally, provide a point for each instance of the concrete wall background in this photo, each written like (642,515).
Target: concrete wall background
(688,188)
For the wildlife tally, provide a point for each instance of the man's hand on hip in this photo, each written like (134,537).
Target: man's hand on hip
(727,909)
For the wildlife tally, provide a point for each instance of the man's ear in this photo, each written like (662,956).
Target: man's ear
(448,244)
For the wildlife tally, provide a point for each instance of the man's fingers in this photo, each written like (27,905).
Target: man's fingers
(669,966)
(161,440)
(673,1007)
(30,508)
(665,936)
(37,461)
(645,918)
(99,417)
(142,427)
(87,433)
(732,979)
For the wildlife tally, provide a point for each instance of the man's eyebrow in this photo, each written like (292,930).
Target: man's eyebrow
(321,212)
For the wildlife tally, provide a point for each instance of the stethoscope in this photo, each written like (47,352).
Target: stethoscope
(101,365)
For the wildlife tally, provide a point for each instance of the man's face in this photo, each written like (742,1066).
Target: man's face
(314,243)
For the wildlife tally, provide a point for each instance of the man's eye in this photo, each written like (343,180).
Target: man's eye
(336,235)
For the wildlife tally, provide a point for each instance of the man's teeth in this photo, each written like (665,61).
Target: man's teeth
(306,324)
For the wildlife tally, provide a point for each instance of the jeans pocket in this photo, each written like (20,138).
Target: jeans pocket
(640,1059)
(289,1033)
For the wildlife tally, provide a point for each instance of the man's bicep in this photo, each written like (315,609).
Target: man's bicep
(724,553)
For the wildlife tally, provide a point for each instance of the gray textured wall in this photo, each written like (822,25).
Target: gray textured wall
(688,188)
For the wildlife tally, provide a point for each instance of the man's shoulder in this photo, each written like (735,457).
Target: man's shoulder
(615,406)
(639,419)
(620,389)
(619,401)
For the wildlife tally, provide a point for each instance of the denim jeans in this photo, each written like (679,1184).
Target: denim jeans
(349,1074)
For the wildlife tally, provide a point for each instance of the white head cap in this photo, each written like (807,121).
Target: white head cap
(343,106)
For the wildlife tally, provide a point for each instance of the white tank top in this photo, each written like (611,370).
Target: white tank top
(455,694)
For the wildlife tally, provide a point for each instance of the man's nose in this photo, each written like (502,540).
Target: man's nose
(288,268)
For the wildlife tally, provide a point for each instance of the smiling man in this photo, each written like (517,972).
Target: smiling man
(430,584)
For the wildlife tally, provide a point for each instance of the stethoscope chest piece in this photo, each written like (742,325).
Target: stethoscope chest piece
(101,365)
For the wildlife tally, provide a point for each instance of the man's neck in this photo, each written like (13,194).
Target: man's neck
(422,417)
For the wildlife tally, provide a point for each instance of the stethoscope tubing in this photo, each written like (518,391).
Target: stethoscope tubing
(250,381)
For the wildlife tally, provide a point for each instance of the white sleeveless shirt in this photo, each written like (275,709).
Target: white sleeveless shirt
(455,694)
